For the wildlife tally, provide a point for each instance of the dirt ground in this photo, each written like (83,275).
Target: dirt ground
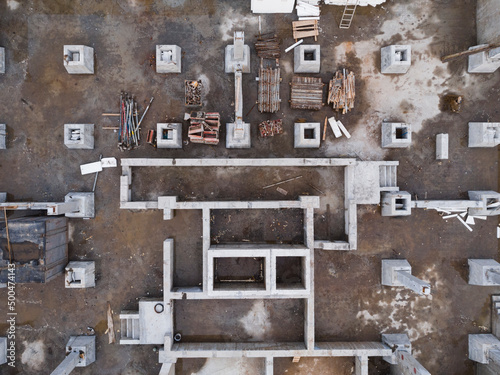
(38,97)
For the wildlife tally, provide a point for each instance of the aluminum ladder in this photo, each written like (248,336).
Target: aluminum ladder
(348,14)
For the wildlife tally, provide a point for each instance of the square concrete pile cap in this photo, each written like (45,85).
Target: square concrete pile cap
(305,128)
(173,138)
(307,58)
(168,58)
(232,141)
(78,59)
(395,59)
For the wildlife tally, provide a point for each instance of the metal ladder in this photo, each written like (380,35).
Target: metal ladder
(348,14)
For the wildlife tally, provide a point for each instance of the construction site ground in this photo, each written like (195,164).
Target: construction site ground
(38,96)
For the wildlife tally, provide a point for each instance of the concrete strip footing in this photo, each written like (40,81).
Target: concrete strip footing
(442,146)
(3,136)
(307,135)
(169,135)
(168,58)
(484,134)
(396,135)
(80,274)
(2,60)
(307,58)
(361,365)
(167,369)
(395,59)
(79,136)
(397,272)
(78,59)
(269,366)
(484,272)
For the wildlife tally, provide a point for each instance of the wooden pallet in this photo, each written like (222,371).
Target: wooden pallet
(305,29)
(306,93)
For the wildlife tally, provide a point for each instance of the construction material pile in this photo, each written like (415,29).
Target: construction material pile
(306,93)
(129,130)
(204,127)
(268,48)
(304,29)
(270,128)
(308,10)
(269,90)
(342,91)
(193,92)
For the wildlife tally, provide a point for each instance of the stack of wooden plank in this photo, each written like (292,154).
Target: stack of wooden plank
(270,128)
(269,90)
(268,48)
(305,29)
(342,91)
(307,93)
(204,127)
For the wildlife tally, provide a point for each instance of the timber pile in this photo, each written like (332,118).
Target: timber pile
(269,90)
(307,93)
(270,128)
(204,127)
(342,91)
(268,48)
(304,29)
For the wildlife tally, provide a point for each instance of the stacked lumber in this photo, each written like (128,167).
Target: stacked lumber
(268,48)
(305,29)
(270,128)
(307,93)
(342,91)
(269,90)
(307,10)
(204,127)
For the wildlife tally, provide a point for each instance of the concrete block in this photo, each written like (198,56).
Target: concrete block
(482,62)
(396,203)
(86,204)
(396,135)
(3,350)
(442,143)
(307,135)
(168,58)
(3,136)
(395,59)
(307,58)
(79,136)
(397,342)
(484,134)
(85,345)
(490,203)
(80,275)
(169,135)
(2,60)
(238,135)
(480,345)
(78,59)
(237,56)
(484,272)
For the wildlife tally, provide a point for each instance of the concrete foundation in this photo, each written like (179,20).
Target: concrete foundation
(237,56)
(395,59)
(80,275)
(3,136)
(484,134)
(79,136)
(396,135)
(238,135)
(483,62)
(307,58)
(396,203)
(307,135)
(169,135)
(397,272)
(3,350)
(168,58)
(78,59)
(442,143)
(481,347)
(484,272)
(85,201)
(489,203)
(2,60)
